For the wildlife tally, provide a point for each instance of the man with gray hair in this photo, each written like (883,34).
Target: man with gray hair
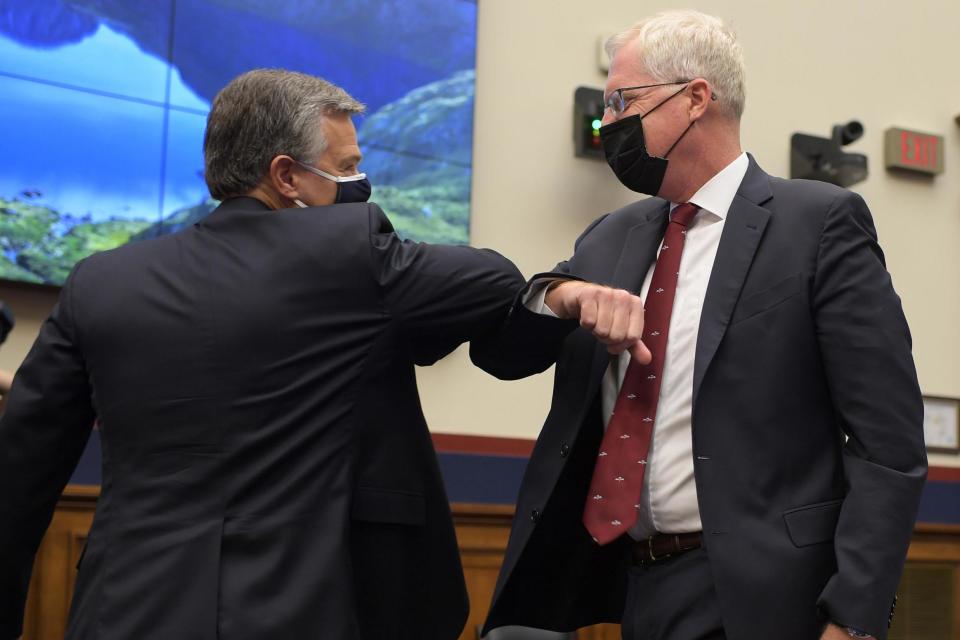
(267,470)
(746,460)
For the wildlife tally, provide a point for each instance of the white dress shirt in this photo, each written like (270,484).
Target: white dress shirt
(669,492)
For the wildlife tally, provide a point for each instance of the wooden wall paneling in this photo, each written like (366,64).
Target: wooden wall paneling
(929,594)
(482,534)
(54,573)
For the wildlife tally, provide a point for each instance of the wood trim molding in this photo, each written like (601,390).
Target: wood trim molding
(936,528)
(79,496)
(471,511)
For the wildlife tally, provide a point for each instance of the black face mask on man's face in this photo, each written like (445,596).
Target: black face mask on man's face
(626,151)
(355,188)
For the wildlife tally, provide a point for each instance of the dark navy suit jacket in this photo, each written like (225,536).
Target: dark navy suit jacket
(267,471)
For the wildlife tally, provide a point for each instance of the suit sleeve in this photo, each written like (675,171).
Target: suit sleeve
(866,349)
(43,433)
(528,342)
(440,295)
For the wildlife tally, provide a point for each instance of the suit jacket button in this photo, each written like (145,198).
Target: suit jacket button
(535,516)
(564,450)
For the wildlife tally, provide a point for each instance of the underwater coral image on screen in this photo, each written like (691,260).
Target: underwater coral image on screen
(104,104)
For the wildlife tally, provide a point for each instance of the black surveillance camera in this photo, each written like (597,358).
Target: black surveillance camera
(815,158)
(6,321)
(844,134)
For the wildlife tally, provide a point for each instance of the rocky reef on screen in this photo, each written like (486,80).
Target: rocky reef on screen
(413,68)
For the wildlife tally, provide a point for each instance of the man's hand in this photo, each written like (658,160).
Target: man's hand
(6,381)
(614,316)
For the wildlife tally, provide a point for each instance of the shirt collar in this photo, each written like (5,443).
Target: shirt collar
(718,193)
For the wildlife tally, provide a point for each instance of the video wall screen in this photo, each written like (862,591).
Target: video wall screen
(104,104)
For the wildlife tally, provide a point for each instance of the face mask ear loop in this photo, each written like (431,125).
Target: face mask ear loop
(670,150)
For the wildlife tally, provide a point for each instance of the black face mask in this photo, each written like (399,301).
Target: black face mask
(355,191)
(626,151)
(355,188)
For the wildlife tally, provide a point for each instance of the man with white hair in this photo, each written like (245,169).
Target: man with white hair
(737,451)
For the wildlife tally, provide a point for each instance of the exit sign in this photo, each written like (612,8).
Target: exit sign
(913,151)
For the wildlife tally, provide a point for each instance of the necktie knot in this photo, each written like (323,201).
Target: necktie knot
(683,214)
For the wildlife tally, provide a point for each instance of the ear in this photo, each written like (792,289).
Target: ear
(283,177)
(701,95)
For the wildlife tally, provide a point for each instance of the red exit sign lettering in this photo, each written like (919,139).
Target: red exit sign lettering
(913,151)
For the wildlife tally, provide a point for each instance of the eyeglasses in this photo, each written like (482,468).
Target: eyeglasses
(616,103)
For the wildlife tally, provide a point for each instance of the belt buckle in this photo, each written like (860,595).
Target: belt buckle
(648,556)
(655,558)
(677,546)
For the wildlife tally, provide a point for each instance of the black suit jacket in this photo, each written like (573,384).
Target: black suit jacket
(267,471)
(802,343)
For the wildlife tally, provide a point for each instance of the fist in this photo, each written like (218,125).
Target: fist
(613,316)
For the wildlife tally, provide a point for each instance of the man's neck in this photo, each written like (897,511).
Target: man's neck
(701,171)
(267,197)
(711,146)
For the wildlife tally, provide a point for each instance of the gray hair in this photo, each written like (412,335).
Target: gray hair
(263,114)
(686,44)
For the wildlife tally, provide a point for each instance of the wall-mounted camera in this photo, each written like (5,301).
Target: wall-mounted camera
(824,159)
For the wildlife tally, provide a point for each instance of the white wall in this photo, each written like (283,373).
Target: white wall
(809,65)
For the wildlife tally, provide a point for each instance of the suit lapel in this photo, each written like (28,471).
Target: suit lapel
(742,231)
(640,250)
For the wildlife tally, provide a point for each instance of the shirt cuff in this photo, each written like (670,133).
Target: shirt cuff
(535,297)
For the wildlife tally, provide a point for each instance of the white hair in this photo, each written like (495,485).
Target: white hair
(686,44)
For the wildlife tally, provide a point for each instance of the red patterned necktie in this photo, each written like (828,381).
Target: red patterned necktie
(613,503)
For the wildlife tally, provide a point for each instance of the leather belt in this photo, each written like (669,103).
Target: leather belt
(665,545)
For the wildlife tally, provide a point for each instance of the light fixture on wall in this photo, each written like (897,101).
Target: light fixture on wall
(816,158)
(587,118)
